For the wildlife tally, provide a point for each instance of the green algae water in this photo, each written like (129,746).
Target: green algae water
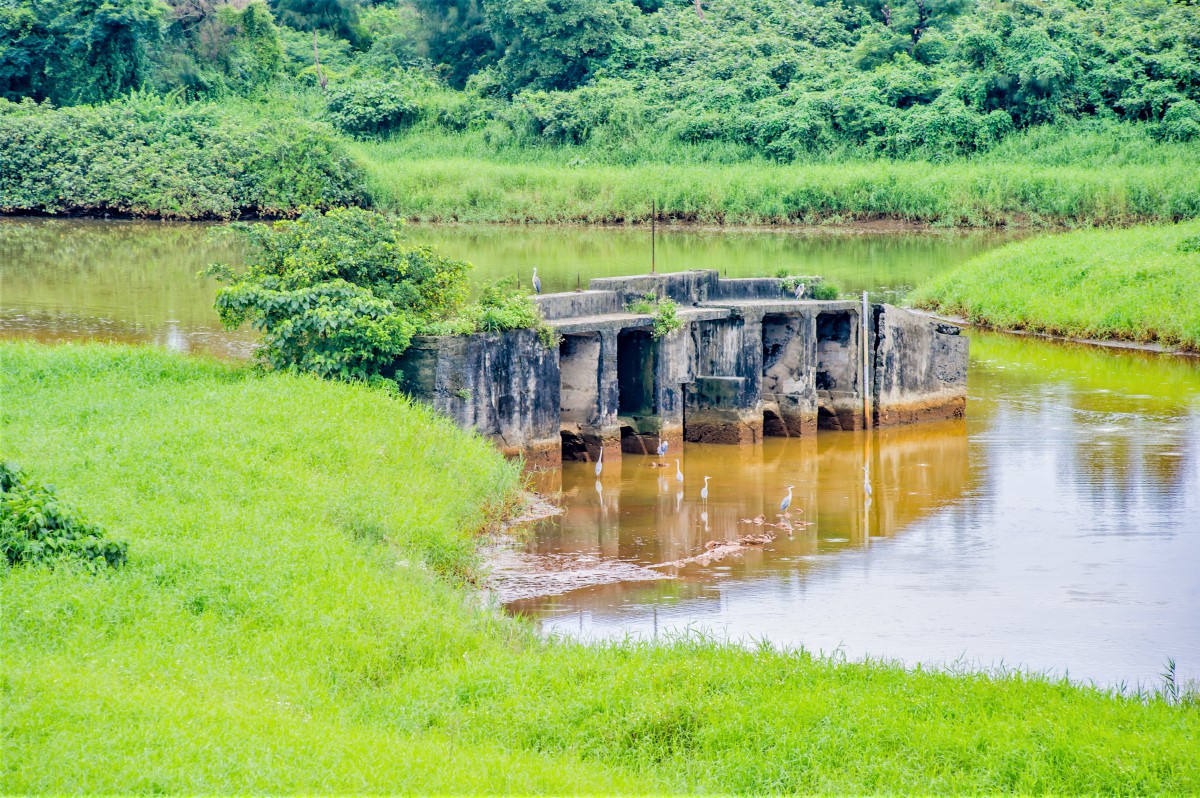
(1055,529)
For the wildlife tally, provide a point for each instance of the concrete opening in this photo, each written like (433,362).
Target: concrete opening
(837,369)
(579,366)
(635,373)
(579,394)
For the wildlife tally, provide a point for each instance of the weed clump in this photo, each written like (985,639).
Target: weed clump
(36,528)
(665,312)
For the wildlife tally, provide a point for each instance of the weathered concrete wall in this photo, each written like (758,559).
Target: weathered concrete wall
(579,364)
(789,345)
(920,368)
(839,369)
(721,400)
(578,303)
(749,360)
(503,385)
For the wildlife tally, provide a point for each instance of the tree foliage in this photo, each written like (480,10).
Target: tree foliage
(76,51)
(557,44)
(339,294)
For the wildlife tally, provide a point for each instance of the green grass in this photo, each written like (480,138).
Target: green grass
(1032,182)
(1138,284)
(293,619)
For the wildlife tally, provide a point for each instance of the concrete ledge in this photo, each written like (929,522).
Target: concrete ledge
(723,426)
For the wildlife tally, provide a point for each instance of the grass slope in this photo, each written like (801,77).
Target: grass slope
(1140,284)
(958,193)
(290,621)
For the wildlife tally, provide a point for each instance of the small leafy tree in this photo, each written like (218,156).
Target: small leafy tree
(338,294)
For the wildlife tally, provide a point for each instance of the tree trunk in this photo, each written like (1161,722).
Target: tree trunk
(317,60)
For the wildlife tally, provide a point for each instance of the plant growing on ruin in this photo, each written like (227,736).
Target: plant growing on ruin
(338,294)
(664,311)
(36,528)
(502,305)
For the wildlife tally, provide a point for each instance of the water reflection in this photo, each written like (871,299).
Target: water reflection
(1056,528)
(136,282)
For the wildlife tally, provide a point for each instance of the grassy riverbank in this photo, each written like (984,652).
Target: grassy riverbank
(956,194)
(293,619)
(1140,284)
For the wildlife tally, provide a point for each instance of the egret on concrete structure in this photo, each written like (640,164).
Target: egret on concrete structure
(704,490)
(600,462)
(537,281)
(799,292)
(787,500)
(678,473)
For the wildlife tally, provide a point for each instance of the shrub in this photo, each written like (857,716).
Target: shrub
(148,157)
(338,294)
(1182,121)
(502,306)
(664,311)
(824,290)
(373,106)
(38,529)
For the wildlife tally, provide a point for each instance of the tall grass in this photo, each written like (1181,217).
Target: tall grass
(1140,284)
(293,619)
(960,193)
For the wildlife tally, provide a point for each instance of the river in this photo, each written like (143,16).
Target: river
(1056,529)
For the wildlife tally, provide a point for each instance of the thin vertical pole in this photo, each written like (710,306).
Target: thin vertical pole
(653,235)
(866,347)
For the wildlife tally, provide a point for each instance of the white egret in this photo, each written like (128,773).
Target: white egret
(799,292)
(787,500)
(704,490)
(600,462)
(537,281)
(678,473)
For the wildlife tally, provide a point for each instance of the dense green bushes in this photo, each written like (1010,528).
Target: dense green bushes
(147,157)
(795,81)
(340,294)
(1140,284)
(36,528)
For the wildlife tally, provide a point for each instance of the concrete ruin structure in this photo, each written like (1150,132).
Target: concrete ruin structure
(748,360)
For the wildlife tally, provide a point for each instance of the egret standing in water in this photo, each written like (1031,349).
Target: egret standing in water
(787,501)
(600,462)
(537,281)
(662,449)
(678,473)
(704,490)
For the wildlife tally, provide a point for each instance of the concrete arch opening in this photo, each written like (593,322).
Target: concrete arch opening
(637,361)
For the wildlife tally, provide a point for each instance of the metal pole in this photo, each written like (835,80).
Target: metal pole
(866,384)
(653,235)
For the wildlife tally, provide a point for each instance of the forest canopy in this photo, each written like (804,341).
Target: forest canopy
(782,78)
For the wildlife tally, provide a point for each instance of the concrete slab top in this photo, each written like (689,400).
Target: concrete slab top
(621,321)
(764,307)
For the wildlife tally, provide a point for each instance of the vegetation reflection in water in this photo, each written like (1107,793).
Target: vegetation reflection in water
(137,281)
(1055,528)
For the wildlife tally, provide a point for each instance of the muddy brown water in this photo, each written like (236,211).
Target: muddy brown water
(1056,529)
